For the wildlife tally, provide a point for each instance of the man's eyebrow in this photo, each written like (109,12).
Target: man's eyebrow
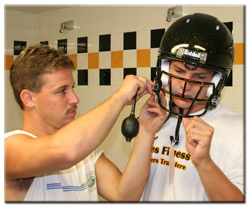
(61,87)
(65,86)
(178,67)
(198,73)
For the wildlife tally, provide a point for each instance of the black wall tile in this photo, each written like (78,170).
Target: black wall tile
(62,45)
(230,79)
(156,36)
(82,77)
(82,44)
(129,41)
(153,73)
(229,26)
(104,42)
(19,46)
(105,77)
(44,42)
(128,71)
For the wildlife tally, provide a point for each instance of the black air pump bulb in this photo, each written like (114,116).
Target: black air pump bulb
(130,125)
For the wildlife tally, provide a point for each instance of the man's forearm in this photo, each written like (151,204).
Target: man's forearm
(134,178)
(84,134)
(217,186)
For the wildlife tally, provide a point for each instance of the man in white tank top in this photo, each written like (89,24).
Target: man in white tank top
(54,157)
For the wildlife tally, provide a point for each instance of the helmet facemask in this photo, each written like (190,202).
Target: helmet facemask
(164,81)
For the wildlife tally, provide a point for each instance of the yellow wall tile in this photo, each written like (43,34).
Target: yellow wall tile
(8,61)
(73,57)
(143,58)
(93,60)
(117,59)
(239,54)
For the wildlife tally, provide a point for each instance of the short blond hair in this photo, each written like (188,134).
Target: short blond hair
(33,62)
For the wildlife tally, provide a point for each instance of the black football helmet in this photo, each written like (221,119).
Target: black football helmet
(197,40)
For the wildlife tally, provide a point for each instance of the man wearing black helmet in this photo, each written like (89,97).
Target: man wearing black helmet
(198,153)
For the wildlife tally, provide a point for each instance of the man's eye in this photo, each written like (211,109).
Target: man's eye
(200,77)
(61,91)
(179,71)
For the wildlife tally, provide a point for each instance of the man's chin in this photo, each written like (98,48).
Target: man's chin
(182,103)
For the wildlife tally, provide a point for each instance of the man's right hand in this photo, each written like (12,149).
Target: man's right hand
(131,84)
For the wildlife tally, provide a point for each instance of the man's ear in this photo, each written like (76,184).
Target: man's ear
(27,98)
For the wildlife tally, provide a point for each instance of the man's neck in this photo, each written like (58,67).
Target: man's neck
(35,126)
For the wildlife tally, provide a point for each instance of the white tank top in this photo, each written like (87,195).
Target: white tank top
(77,183)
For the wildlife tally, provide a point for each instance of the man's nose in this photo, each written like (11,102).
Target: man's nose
(73,98)
(186,84)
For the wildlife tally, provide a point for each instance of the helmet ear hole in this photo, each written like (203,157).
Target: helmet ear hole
(215,80)
(164,77)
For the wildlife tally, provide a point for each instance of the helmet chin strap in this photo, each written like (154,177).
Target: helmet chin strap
(177,129)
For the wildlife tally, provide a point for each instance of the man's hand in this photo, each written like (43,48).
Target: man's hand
(198,140)
(132,84)
(152,116)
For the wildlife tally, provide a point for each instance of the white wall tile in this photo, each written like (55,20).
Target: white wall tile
(20,18)
(105,11)
(116,147)
(227,97)
(93,75)
(116,76)
(239,31)
(143,20)
(83,30)
(82,60)
(8,47)
(117,160)
(158,19)
(93,43)
(127,147)
(154,55)
(224,13)
(238,97)
(93,95)
(238,75)
(82,108)
(125,162)
(53,43)
(117,11)
(129,59)
(239,12)
(82,12)
(117,24)
(94,12)
(198,9)
(143,39)
(94,27)
(117,42)
(71,46)
(104,60)
(105,93)
(82,93)
(130,23)
(145,72)
(105,25)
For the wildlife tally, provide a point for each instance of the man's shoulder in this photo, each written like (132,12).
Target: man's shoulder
(17,133)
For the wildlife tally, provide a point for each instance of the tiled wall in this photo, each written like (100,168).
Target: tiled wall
(109,42)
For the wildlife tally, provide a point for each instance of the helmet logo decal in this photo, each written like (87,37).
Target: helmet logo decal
(202,56)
